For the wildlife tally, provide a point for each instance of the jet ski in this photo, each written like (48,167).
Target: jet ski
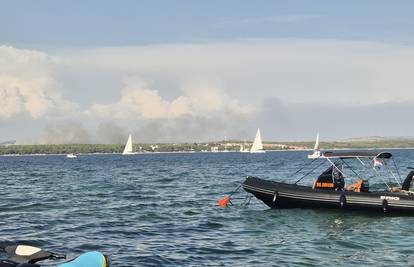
(88,259)
(20,255)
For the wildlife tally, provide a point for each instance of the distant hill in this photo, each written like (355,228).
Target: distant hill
(10,142)
(374,142)
(361,143)
(378,139)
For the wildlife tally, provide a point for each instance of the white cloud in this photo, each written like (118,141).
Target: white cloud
(294,70)
(292,18)
(197,85)
(27,85)
(139,101)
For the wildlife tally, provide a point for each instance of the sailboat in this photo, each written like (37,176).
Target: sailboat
(128,147)
(243,148)
(257,146)
(316,152)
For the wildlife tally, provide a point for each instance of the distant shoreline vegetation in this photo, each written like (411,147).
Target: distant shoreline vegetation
(201,147)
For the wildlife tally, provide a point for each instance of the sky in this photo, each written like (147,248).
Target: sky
(195,71)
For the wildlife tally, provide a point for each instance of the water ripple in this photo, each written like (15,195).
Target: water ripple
(161,210)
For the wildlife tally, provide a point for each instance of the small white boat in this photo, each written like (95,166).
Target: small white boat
(257,146)
(71,156)
(243,148)
(316,152)
(128,147)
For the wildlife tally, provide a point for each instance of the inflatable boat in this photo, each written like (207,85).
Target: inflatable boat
(343,185)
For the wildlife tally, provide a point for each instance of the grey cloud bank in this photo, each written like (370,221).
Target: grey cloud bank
(290,88)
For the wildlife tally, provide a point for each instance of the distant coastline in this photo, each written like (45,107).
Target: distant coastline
(220,146)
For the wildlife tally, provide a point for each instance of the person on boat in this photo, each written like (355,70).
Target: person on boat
(338,178)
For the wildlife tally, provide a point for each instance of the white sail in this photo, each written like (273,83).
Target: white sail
(316,152)
(257,146)
(316,147)
(128,146)
(243,147)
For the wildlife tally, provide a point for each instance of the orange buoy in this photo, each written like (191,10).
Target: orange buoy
(224,202)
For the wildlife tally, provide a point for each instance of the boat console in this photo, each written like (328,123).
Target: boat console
(332,179)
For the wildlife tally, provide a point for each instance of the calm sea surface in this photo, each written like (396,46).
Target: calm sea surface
(161,210)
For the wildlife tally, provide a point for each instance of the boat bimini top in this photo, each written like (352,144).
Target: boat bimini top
(356,154)
(379,165)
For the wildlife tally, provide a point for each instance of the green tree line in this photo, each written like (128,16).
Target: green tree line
(196,147)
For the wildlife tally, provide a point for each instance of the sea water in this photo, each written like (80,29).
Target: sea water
(161,210)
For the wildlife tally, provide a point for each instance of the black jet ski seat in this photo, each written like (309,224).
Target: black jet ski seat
(25,255)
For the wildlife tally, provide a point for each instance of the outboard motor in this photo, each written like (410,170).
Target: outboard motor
(407,182)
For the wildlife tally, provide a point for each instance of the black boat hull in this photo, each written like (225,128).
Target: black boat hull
(283,195)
